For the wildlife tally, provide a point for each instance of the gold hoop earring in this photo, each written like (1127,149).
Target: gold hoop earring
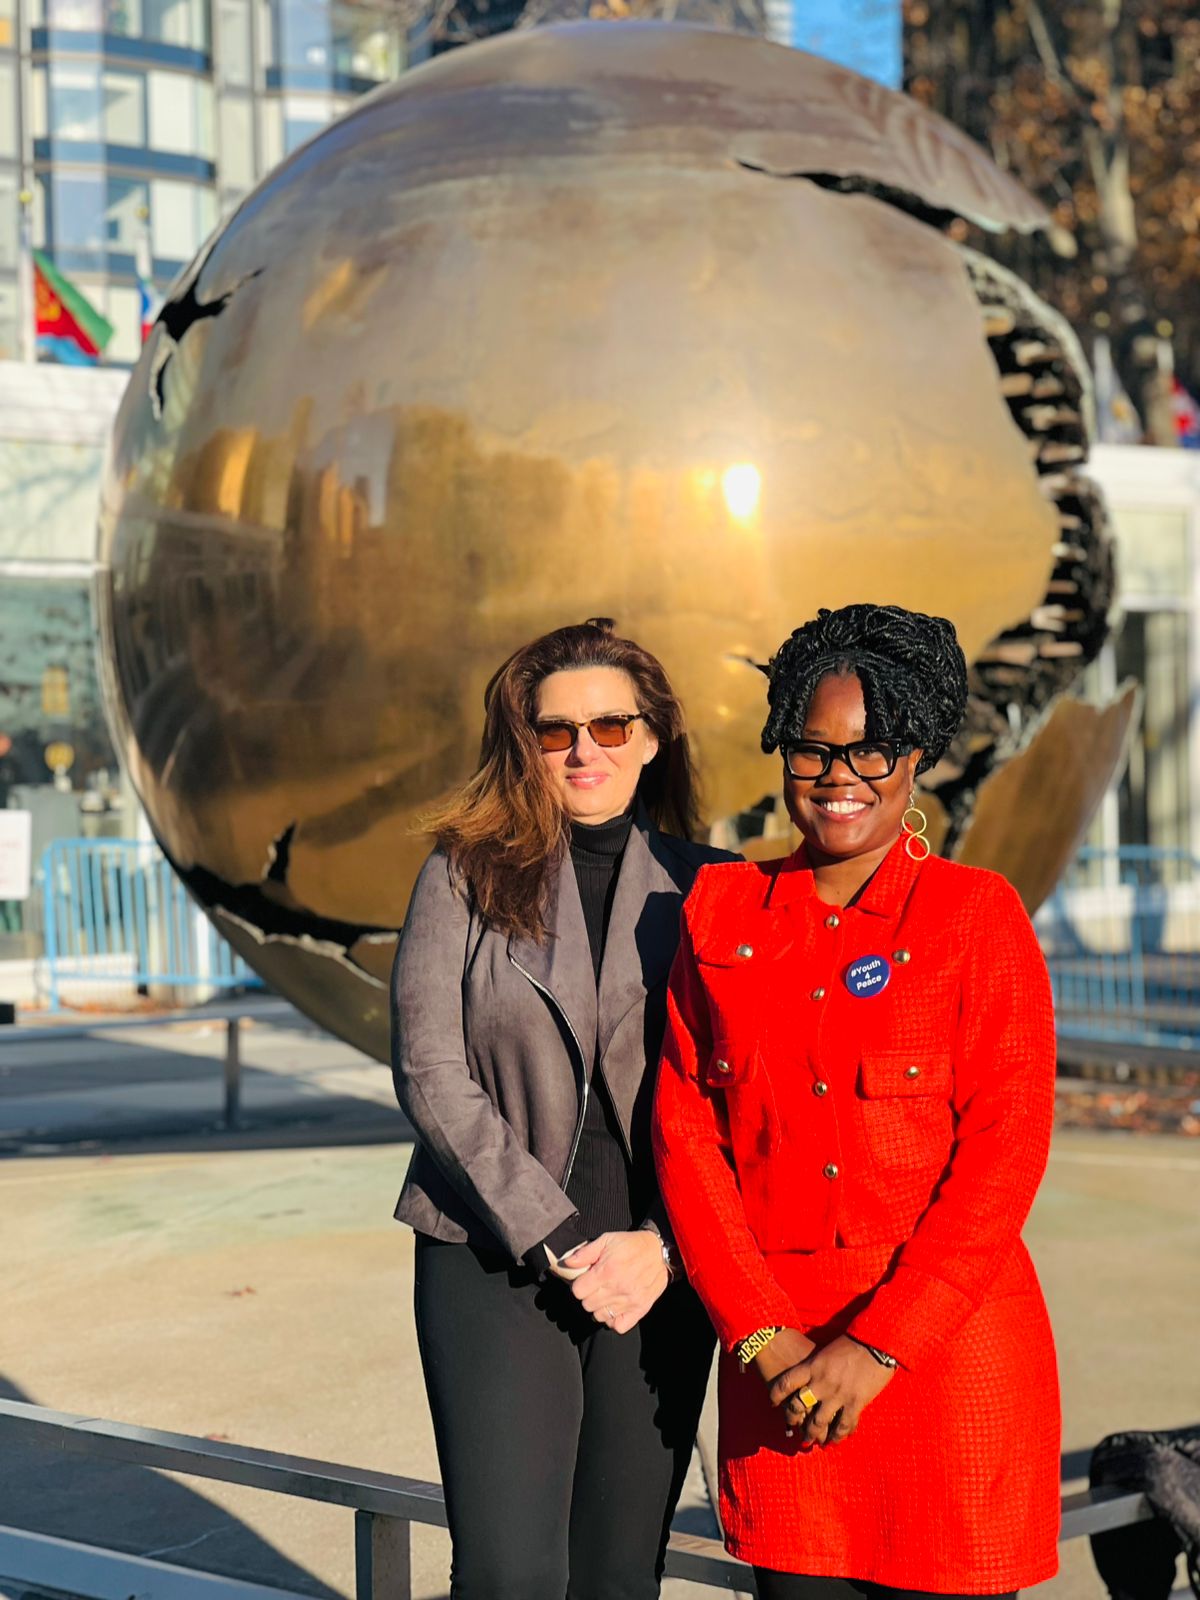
(916,845)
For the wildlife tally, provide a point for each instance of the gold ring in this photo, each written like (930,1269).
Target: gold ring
(807,1399)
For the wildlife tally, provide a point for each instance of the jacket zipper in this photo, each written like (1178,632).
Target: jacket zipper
(583,1082)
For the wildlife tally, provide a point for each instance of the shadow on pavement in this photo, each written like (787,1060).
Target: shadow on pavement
(135,1510)
(147,1094)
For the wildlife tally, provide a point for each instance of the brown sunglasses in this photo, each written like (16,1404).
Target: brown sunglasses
(604,731)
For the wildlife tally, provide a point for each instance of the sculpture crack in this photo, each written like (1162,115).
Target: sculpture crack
(843,183)
(176,318)
(279,856)
(1044,381)
(264,913)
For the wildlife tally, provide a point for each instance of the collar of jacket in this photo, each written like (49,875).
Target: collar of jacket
(643,934)
(885,894)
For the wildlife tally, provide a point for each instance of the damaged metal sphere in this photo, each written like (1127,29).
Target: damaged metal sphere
(644,321)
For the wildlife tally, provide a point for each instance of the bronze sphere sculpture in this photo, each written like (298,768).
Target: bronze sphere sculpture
(647,321)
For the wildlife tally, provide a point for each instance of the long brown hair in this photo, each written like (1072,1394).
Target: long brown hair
(504,829)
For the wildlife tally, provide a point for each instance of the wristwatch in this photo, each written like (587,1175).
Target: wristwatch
(881,1356)
(670,1260)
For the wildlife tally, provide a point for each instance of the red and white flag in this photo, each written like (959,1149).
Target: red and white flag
(1186,411)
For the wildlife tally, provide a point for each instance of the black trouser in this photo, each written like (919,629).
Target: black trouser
(563,1446)
(792,1586)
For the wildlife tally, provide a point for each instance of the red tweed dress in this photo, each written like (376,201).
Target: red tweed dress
(864,1162)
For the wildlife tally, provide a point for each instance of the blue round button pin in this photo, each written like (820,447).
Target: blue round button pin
(868,976)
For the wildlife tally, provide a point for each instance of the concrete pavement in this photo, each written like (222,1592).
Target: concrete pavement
(253,1287)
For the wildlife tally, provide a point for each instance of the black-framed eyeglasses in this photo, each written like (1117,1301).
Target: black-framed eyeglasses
(607,732)
(872,758)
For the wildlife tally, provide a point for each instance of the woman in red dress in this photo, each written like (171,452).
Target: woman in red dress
(851,1121)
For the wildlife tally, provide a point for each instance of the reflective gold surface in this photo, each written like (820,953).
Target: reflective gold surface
(1063,775)
(580,321)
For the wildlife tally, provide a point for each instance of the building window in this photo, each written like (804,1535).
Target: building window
(124,108)
(89,106)
(181,115)
(180,22)
(74,16)
(47,639)
(315,42)
(182,215)
(76,111)
(165,112)
(128,203)
(77,212)
(8,25)
(104,215)
(173,22)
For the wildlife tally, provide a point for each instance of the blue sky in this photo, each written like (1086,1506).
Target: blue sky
(863,34)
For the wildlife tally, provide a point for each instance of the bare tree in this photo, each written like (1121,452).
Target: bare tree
(1095,105)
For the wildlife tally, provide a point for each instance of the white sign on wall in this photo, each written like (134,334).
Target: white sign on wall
(16,839)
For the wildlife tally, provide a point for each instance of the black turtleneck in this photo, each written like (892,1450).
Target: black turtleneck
(596,852)
(609,1196)
(602,1185)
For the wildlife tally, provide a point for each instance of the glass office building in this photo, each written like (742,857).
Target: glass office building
(134,122)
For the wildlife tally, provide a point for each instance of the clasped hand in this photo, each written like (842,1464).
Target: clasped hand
(844,1376)
(624,1275)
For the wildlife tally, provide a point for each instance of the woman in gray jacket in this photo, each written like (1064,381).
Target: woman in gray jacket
(564,1365)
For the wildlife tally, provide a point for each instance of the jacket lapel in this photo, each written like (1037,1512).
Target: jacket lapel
(562,967)
(643,929)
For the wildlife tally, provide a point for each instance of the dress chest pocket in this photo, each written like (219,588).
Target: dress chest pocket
(738,971)
(904,1103)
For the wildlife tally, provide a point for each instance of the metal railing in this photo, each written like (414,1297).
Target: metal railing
(116,913)
(232,1013)
(1121,935)
(1122,940)
(386,1506)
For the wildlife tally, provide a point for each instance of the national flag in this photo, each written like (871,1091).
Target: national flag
(1116,420)
(69,329)
(145,281)
(1186,411)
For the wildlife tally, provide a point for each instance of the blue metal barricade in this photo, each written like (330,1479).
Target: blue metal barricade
(115,912)
(1122,940)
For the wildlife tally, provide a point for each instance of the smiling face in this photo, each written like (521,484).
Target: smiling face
(595,782)
(840,814)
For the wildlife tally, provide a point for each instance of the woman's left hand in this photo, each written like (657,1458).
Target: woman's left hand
(844,1376)
(625,1275)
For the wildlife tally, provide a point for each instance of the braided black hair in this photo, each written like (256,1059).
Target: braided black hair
(911,667)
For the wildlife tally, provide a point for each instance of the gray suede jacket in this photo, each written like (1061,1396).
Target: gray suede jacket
(493,1041)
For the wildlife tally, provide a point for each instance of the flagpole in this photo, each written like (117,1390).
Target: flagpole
(26,288)
(144,263)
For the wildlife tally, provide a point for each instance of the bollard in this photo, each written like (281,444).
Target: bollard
(232,1117)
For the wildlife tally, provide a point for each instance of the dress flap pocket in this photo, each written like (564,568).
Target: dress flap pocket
(724,950)
(885,1074)
(730,1064)
(749,949)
